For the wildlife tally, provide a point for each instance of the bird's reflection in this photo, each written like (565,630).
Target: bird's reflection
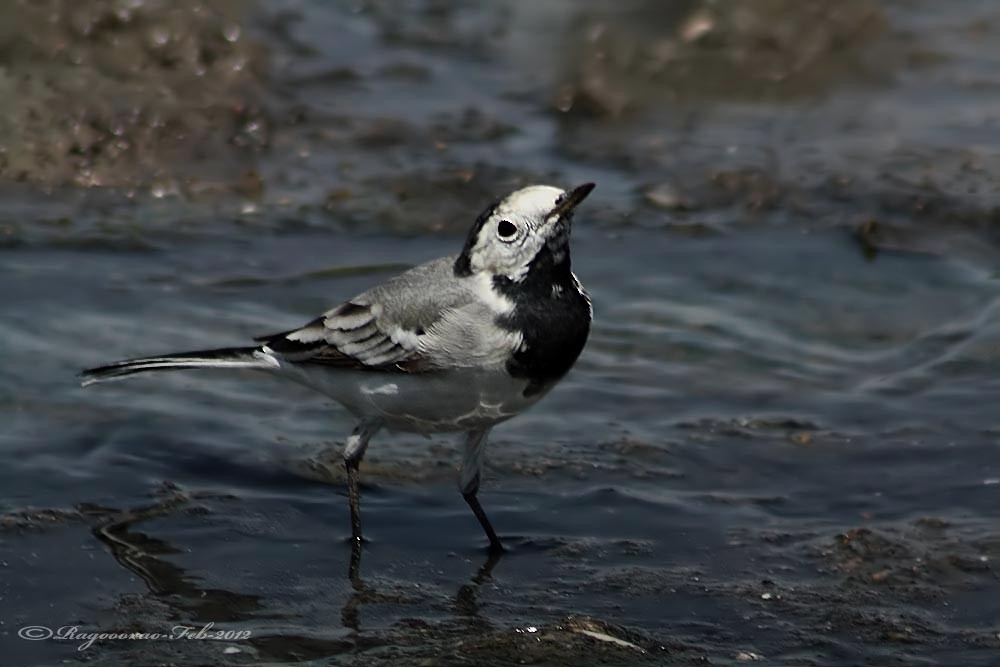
(143,555)
(350,616)
(139,553)
(465,603)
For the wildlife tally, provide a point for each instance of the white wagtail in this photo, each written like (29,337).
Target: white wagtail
(456,344)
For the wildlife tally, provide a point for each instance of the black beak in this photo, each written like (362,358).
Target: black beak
(570,201)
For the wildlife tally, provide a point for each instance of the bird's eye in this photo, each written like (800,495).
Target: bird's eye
(506,229)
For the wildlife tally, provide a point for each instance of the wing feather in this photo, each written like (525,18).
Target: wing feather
(348,336)
(423,319)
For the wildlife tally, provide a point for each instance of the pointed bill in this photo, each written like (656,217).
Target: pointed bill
(571,200)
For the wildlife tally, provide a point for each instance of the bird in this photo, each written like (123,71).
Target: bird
(458,344)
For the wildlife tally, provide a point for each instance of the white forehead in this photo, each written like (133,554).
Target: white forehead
(534,201)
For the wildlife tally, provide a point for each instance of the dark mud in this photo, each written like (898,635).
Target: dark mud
(158,95)
(780,445)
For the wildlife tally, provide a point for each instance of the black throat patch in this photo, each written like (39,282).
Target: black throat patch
(552,313)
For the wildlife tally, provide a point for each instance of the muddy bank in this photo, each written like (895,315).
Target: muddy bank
(697,118)
(159,95)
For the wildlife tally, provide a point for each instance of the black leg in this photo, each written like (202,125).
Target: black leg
(350,615)
(354,451)
(477,509)
(468,482)
(354,498)
(354,569)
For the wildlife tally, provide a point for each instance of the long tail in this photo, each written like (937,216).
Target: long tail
(226,357)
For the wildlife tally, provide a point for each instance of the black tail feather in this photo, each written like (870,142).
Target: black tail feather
(226,357)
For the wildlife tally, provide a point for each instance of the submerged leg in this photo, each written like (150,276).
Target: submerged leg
(354,451)
(468,482)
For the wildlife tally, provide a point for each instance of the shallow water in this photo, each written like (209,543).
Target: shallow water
(780,442)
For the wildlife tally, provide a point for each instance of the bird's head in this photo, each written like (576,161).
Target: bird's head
(529,224)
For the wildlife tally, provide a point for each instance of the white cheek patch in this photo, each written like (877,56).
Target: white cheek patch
(508,259)
(527,209)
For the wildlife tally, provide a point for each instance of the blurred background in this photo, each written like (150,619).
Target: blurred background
(780,444)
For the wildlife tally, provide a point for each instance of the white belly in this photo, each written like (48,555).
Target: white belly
(459,400)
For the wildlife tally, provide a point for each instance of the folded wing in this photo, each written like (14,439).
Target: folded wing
(393,327)
(350,336)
